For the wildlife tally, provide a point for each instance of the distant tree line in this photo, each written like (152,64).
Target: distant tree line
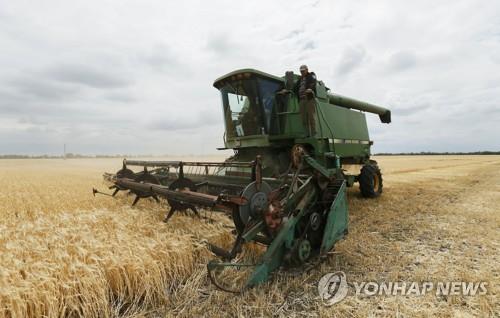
(429,153)
(68,156)
(76,156)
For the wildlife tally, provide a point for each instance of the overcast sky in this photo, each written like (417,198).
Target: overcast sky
(109,77)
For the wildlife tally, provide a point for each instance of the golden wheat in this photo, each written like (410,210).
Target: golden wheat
(64,253)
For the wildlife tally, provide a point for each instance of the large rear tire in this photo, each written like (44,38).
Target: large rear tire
(370,181)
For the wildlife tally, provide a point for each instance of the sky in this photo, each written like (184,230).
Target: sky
(135,77)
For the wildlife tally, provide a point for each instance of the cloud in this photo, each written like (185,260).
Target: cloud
(351,58)
(309,45)
(30,120)
(121,97)
(101,82)
(292,34)
(402,60)
(220,44)
(161,58)
(180,122)
(26,87)
(407,111)
(88,75)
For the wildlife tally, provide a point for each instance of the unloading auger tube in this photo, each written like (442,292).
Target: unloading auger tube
(297,217)
(348,102)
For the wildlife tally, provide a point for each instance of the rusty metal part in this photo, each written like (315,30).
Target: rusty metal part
(181,195)
(273,216)
(182,184)
(257,172)
(125,173)
(297,152)
(194,197)
(95,191)
(146,178)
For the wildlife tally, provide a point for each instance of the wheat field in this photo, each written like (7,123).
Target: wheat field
(65,253)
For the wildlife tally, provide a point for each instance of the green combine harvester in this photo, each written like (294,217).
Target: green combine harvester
(284,187)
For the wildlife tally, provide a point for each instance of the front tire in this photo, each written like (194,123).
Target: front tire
(370,181)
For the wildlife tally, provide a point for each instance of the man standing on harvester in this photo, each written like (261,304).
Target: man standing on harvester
(305,90)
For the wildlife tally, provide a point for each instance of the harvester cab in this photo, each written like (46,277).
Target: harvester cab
(262,117)
(284,188)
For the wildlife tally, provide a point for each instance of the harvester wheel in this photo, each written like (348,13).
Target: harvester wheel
(370,181)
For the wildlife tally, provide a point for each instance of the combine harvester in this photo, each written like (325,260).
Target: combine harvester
(283,187)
